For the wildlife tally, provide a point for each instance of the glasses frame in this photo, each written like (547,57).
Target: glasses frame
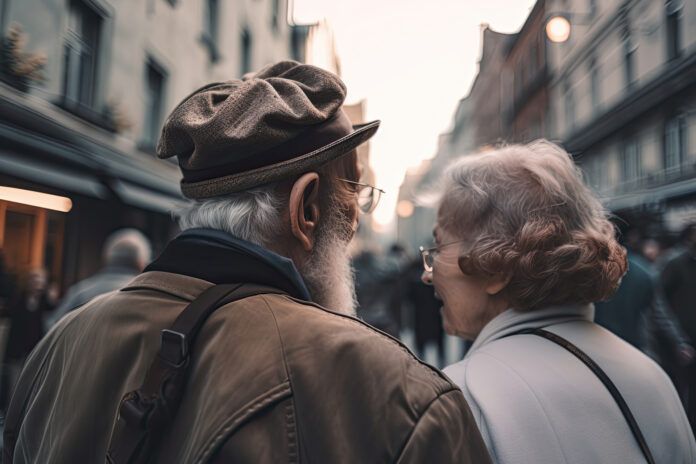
(363,187)
(429,254)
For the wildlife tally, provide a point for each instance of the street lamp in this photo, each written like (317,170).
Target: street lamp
(558,29)
(558,25)
(404,209)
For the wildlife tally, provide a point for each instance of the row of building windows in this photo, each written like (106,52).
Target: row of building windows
(629,47)
(81,52)
(631,167)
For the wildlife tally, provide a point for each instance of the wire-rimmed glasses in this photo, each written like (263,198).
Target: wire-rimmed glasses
(429,254)
(368,195)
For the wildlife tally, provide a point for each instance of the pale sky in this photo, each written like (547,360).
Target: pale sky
(412,61)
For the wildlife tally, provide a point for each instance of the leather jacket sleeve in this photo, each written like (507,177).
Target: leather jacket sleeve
(445,433)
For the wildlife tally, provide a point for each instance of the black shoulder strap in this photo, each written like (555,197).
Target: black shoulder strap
(582,356)
(145,413)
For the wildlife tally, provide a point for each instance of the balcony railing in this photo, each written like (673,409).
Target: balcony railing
(663,177)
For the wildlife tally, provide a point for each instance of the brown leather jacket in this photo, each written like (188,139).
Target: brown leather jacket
(272,379)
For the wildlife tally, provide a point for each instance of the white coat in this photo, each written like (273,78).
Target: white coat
(536,403)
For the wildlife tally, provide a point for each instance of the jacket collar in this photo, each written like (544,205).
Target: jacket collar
(218,257)
(511,321)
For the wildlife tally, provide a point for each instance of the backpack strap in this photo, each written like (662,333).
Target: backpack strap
(604,378)
(144,414)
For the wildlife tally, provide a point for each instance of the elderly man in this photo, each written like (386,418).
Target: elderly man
(272,375)
(126,253)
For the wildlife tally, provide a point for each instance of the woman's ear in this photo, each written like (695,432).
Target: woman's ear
(496,283)
(304,209)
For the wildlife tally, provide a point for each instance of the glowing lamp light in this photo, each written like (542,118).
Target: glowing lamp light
(404,209)
(41,200)
(558,29)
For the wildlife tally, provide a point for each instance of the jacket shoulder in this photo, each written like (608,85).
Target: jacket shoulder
(337,336)
(343,371)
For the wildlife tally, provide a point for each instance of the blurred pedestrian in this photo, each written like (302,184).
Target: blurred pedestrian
(523,249)
(7,292)
(373,284)
(271,165)
(626,311)
(651,250)
(26,311)
(125,254)
(6,284)
(678,282)
(396,266)
(427,320)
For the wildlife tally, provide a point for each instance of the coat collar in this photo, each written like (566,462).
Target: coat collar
(218,257)
(511,321)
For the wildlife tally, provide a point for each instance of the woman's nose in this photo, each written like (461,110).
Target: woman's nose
(427,277)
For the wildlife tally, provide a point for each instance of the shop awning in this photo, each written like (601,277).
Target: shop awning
(652,196)
(52,175)
(144,198)
(42,144)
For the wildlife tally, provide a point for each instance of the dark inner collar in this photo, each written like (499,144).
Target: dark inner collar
(218,257)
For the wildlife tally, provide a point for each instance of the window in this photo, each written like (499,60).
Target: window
(275,14)
(593,172)
(154,100)
(211,32)
(673,10)
(631,167)
(245,64)
(594,83)
(675,142)
(592,8)
(80,53)
(629,50)
(298,40)
(569,108)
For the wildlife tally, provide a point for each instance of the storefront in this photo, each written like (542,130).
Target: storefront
(44,152)
(32,231)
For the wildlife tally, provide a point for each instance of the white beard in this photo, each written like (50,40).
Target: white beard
(328,272)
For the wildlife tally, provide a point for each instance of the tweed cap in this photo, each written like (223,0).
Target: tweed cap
(269,126)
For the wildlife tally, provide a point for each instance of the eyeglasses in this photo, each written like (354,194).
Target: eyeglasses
(429,254)
(368,196)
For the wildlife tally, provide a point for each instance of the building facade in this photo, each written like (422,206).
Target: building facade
(619,95)
(526,78)
(479,121)
(366,235)
(85,86)
(624,99)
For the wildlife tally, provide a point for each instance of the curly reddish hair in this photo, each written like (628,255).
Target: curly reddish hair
(523,211)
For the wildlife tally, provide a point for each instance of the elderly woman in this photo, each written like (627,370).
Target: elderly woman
(522,250)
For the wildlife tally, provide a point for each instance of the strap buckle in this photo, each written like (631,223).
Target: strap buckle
(174,348)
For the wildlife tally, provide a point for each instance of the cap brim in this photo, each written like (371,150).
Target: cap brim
(284,170)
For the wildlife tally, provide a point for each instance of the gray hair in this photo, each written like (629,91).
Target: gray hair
(524,211)
(252,215)
(127,247)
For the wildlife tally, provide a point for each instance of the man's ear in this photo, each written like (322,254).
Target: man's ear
(304,209)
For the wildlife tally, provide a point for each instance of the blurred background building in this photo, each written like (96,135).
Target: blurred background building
(624,93)
(366,236)
(84,88)
(613,81)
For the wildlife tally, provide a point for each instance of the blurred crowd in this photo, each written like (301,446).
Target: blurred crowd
(393,298)
(30,306)
(654,309)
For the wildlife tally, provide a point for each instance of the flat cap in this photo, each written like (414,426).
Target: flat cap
(272,125)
